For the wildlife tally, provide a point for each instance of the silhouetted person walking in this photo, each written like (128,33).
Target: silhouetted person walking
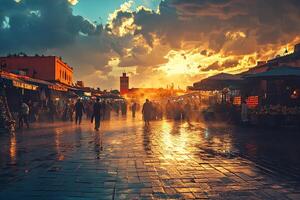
(124,108)
(71,109)
(23,115)
(79,110)
(187,109)
(244,112)
(97,114)
(169,110)
(52,110)
(147,110)
(107,111)
(133,109)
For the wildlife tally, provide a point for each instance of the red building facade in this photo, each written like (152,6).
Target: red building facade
(50,68)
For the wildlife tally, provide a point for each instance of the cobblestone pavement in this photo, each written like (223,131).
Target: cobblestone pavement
(167,160)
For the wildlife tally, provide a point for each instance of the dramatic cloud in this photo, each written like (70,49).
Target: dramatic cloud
(49,27)
(229,33)
(223,23)
(222,35)
(36,25)
(183,38)
(221,66)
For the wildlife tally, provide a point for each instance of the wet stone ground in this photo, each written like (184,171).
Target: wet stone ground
(167,160)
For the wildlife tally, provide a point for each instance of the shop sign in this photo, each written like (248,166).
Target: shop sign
(24,85)
(252,101)
(58,88)
(237,101)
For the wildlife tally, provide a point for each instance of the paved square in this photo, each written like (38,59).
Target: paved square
(167,160)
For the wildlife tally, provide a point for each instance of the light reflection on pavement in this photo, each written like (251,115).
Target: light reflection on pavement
(167,160)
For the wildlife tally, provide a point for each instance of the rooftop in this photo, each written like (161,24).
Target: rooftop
(284,71)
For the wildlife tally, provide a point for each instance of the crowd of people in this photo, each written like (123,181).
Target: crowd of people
(96,110)
(174,110)
(68,110)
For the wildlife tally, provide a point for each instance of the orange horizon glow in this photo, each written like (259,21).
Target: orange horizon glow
(186,63)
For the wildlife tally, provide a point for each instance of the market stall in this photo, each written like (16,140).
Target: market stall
(17,90)
(278,91)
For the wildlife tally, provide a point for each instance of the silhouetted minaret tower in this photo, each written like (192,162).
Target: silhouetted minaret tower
(124,84)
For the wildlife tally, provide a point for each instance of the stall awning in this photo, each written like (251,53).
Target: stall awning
(219,82)
(34,81)
(16,82)
(278,72)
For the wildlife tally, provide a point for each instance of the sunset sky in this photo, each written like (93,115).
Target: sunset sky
(156,42)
